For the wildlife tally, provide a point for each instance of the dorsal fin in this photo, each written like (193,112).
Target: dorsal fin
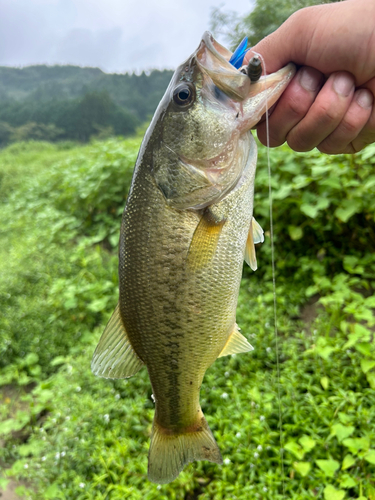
(114,357)
(236,343)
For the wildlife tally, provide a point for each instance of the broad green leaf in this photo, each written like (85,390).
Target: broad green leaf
(330,493)
(370,457)
(295,232)
(371,379)
(342,431)
(329,467)
(347,482)
(31,359)
(350,208)
(281,193)
(371,493)
(302,468)
(324,382)
(364,348)
(307,443)
(294,448)
(345,418)
(255,394)
(367,364)
(59,360)
(324,352)
(356,444)
(309,210)
(52,491)
(348,462)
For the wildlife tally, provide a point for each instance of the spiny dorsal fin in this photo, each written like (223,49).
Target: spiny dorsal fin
(114,357)
(236,344)
(205,239)
(255,235)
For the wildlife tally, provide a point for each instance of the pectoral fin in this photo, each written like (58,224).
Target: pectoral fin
(205,239)
(255,235)
(114,357)
(236,344)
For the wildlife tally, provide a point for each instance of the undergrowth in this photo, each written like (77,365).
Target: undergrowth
(72,436)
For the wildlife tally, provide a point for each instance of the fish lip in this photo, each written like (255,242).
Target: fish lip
(213,60)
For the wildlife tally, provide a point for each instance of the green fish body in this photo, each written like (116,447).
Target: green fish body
(187,227)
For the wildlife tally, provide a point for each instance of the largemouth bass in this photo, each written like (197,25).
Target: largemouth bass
(187,227)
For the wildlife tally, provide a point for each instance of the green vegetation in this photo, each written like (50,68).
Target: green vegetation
(67,102)
(264,18)
(72,436)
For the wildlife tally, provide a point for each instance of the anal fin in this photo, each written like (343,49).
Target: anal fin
(236,344)
(114,357)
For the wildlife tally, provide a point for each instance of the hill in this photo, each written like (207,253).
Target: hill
(139,94)
(69,102)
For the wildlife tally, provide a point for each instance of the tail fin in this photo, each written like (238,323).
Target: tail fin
(169,453)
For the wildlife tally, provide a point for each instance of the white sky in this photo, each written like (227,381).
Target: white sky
(115,35)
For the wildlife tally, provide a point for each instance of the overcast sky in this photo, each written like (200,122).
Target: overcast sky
(115,35)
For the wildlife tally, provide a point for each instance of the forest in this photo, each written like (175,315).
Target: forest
(294,418)
(71,103)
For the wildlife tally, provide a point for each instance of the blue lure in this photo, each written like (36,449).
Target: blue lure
(238,55)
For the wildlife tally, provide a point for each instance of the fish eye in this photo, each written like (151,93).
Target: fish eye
(184,94)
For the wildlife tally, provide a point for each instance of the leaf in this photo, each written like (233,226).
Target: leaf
(307,443)
(367,364)
(329,467)
(371,492)
(31,359)
(309,210)
(364,348)
(344,418)
(302,468)
(348,462)
(347,482)
(295,232)
(294,448)
(342,431)
(370,457)
(330,493)
(348,210)
(324,352)
(324,382)
(371,379)
(356,444)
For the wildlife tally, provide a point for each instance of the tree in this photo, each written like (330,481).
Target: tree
(266,17)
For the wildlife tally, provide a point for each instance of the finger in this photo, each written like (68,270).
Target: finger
(354,121)
(367,134)
(325,114)
(292,106)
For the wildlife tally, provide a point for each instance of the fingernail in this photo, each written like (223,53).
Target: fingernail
(310,79)
(364,98)
(343,84)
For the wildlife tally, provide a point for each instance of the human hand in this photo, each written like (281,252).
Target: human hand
(330,102)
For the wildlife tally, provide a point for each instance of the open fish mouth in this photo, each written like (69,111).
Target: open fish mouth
(250,99)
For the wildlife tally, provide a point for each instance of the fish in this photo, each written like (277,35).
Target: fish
(186,229)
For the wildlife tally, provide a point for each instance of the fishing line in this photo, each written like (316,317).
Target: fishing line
(274,284)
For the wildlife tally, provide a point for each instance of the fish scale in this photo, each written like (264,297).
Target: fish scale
(187,227)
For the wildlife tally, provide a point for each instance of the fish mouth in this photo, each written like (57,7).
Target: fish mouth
(251,99)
